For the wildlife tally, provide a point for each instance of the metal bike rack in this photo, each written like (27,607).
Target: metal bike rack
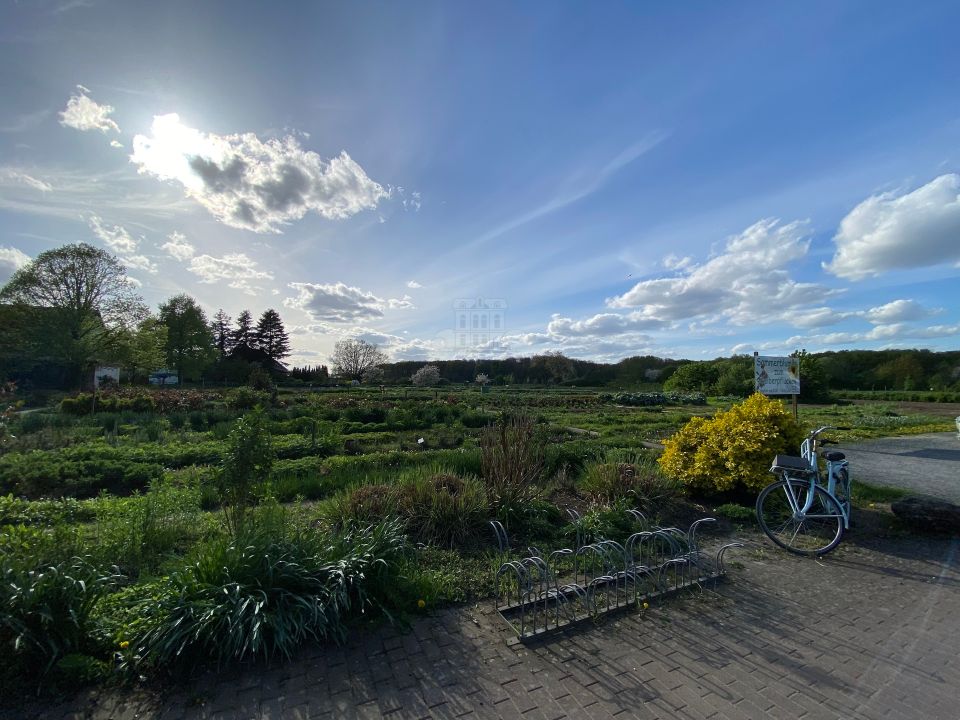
(537,595)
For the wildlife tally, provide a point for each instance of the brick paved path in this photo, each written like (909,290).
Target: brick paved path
(866,633)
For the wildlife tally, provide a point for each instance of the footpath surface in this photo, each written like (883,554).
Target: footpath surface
(868,632)
(928,463)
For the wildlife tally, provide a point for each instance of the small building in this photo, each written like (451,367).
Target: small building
(256,356)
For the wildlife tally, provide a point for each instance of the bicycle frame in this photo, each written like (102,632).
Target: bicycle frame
(808,451)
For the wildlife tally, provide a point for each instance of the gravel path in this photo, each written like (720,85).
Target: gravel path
(928,464)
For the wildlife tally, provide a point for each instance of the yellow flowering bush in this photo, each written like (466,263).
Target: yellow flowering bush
(734,449)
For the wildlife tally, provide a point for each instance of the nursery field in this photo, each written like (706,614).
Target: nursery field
(144,533)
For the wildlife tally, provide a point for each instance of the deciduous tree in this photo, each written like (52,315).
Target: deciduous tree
(351,359)
(189,341)
(74,305)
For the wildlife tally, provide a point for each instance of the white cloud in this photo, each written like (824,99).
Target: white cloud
(404,303)
(18,177)
(893,333)
(341,303)
(816,317)
(82,113)
(116,237)
(602,324)
(254,184)
(178,247)
(139,262)
(897,311)
(237,269)
(746,283)
(413,285)
(116,144)
(890,232)
(11,260)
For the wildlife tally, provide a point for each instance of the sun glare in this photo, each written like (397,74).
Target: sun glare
(170,148)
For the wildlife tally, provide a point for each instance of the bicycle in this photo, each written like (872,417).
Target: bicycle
(798,512)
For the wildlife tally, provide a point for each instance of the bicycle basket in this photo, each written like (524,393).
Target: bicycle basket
(792,465)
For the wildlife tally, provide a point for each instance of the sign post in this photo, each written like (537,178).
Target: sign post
(777,376)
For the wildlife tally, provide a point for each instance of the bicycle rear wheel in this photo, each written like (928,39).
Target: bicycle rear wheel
(816,532)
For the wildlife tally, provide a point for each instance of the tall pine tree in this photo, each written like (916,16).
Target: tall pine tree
(222,335)
(244,334)
(272,338)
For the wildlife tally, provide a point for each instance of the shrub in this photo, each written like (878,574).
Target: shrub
(245,398)
(15,511)
(734,449)
(512,461)
(264,594)
(642,483)
(434,508)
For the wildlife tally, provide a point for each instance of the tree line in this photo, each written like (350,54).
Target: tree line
(74,308)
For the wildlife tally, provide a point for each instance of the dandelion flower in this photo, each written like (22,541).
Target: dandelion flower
(125,644)
(421,604)
(646,605)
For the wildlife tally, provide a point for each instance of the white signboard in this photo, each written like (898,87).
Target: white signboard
(776,375)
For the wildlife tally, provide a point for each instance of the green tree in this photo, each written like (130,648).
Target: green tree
(272,338)
(245,333)
(73,307)
(694,377)
(222,336)
(814,386)
(189,340)
(146,347)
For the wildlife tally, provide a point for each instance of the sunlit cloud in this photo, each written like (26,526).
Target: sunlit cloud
(85,114)
(254,184)
(236,269)
(11,260)
(178,247)
(891,232)
(342,303)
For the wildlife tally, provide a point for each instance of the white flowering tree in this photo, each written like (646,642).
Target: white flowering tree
(426,376)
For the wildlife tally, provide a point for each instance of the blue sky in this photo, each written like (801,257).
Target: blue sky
(684,180)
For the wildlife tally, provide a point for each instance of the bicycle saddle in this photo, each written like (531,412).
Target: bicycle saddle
(833,456)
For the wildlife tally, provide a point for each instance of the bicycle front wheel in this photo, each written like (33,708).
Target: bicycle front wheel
(780,513)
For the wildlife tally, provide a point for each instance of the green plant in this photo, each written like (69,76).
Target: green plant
(641,482)
(737,513)
(512,460)
(138,532)
(246,398)
(732,450)
(246,466)
(263,594)
(45,610)
(435,508)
